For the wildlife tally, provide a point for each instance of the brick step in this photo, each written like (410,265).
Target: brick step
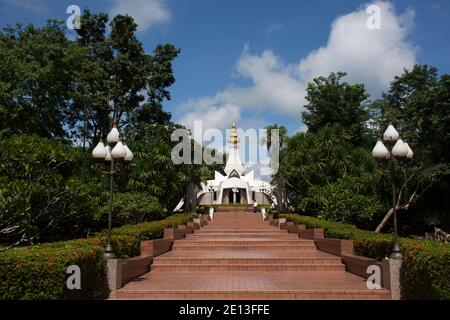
(219,231)
(281,247)
(216,229)
(246,267)
(220,227)
(245,241)
(188,260)
(242,235)
(235,219)
(239,225)
(254,294)
(240,222)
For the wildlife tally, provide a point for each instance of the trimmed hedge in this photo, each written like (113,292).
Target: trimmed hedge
(39,271)
(426,264)
(132,208)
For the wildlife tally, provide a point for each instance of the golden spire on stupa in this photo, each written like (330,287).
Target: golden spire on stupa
(233,139)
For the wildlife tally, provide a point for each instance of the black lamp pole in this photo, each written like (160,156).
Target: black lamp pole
(402,152)
(115,152)
(396,254)
(109,252)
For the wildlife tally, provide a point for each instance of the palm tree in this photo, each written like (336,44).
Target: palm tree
(282,134)
(278,180)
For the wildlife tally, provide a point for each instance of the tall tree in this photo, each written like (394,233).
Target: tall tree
(279,179)
(90,112)
(418,103)
(118,79)
(331,101)
(34,80)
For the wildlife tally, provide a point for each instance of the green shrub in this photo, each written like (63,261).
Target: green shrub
(425,273)
(40,197)
(132,208)
(202,210)
(39,271)
(144,231)
(350,199)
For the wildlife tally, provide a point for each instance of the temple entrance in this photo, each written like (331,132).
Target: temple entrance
(234,196)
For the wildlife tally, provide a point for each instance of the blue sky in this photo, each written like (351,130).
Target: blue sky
(251,60)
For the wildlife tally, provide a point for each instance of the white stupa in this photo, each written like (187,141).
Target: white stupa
(236,186)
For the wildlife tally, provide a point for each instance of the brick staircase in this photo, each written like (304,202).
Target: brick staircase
(240,256)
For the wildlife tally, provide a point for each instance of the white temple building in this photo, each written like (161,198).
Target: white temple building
(237,186)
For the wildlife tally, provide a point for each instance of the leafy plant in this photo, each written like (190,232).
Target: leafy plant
(41,199)
(132,208)
(350,199)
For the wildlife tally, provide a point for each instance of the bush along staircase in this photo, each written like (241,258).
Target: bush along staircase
(240,256)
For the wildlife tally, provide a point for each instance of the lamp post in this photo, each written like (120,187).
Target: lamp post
(235,190)
(211,189)
(114,153)
(262,190)
(400,151)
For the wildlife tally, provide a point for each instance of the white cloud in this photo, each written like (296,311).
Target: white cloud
(33,5)
(146,13)
(274,27)
(274,85)
(212,116)
(372,57)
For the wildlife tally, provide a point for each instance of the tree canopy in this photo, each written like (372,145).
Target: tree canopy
(331,101)
(58,98)
(73,89)
(329,171)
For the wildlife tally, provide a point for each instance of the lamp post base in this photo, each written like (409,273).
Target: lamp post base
(396,254)
(109,253)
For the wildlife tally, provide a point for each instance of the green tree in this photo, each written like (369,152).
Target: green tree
(34,80)
(279,180)
(41,197)
(418,103)
(73,89)
(117,79)
(92,56)
(282,135)
(312,161)
(331,101)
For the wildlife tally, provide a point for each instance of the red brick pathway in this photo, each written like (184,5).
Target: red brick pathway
(239,256)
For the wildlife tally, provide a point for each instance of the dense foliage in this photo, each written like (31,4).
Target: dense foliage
(329,171)
(425,273)
(60,88)
(41,198)
(58,98)
(331,101)
(132,208)
(39,271)
(350,199)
